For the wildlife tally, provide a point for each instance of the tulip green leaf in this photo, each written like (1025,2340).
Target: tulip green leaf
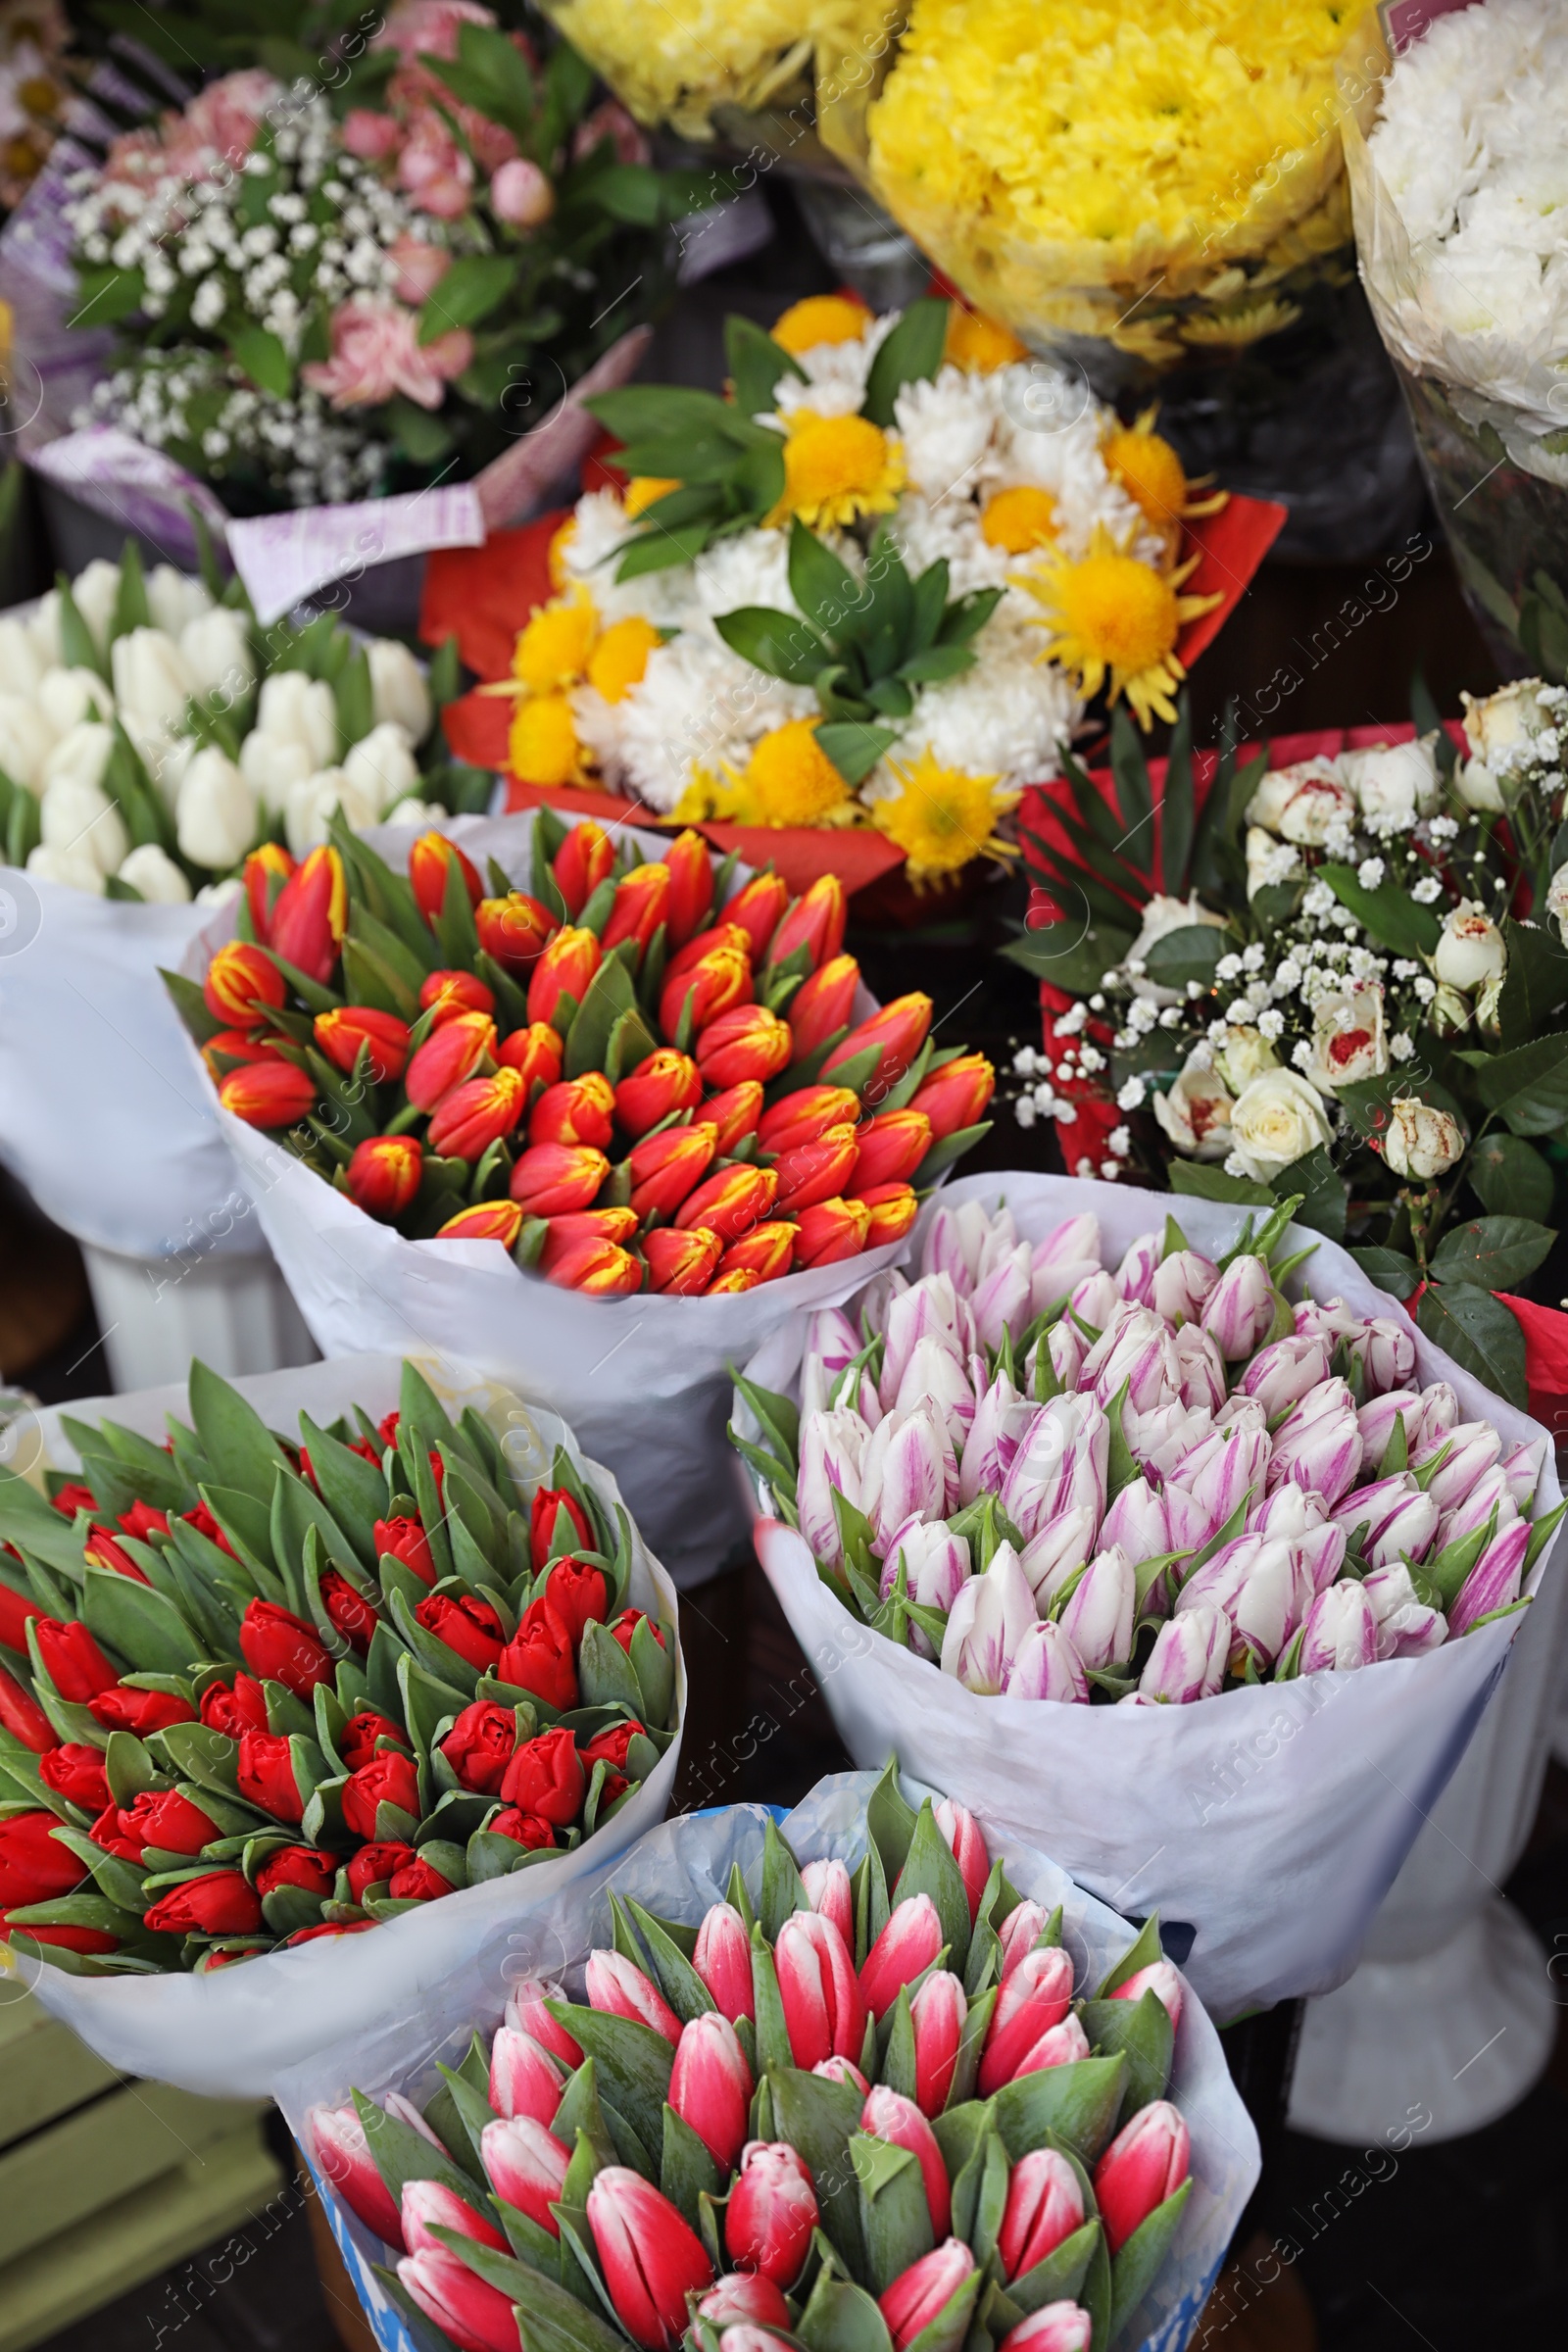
(579,2123)
(119,1880)
(632,2062)
(971,2041)
(1061,2276)
(1078,2102)
(1146,2036)
(248,1525)
(818,2118)
(1136,2266)
(353,1489)
(403,2154)
(130,1767)
(654,1670)
(980,2196)
(929,1868)
(890,1823)
(687,2170)
(605,1674)
(236,1440)
(35,1526)
(772,2034)
(842,2318)
(783,1892)
(143,1625)
(531,2244)
(682,1988)
(458,2113)
(1143,1952)
(443,1665)
(895,2214)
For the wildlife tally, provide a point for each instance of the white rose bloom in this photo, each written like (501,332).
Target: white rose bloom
(1268,861)
(384,764)
(1245,1055)
(72,869)
(1348,1039)
(215,812)
(1421,1142)
(151,680)
(21,667)
(310,804)
(77,817)
(216,650)
(1319,807)
(1279,788)
(1479,788)
(1557,898)
(273,765)
(27,739)
(95,593)
(155,874)
(1163,915)
(295,709)
(174,599)
(82,756)
(1394,782)
(42,625)
(398,690)
(1501,728)
(67,697)
(1196,1115)
(1471,951)
(1277,1119)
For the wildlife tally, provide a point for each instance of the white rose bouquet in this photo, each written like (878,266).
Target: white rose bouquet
(1344,977)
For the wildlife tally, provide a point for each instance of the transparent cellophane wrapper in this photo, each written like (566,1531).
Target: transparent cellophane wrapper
(676,1871)
(234,2032)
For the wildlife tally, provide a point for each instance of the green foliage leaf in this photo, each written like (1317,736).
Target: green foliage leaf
(1510,1178)
(1481,1334)
(1528,1087)
(1389,1269)
(262,355)
(1074,955)
(475,284)
(1209,1182)
(772,641)
(1320,1191)
(854,747)
(910,354)
(1498,1253)
(1190,954)
(1389,914)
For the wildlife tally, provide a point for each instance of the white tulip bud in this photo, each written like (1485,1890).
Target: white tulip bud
(174,599)
(216,813)
(72,869)
(42,625)
(77,816)
(82,756)
(151,680)
(69,696)
(273,765)
(95,592)
(384,764)
(295,709)
(309,806)
(21,668)
(155,874)
(216,649)
(398,690)
(27,739)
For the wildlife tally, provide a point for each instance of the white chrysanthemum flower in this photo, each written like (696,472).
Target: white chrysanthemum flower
(699,705)
(1008,716)
(834,372)
(946,426)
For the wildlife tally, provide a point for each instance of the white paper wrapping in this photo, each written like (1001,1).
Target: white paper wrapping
(1271,1821)
(677,1871)
(234,2034)
(643,1381)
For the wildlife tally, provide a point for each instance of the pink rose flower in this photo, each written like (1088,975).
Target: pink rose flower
(611,121)
(368,135)
(376,353)
(419,268)
(434,171)
(430,27)
(522,195)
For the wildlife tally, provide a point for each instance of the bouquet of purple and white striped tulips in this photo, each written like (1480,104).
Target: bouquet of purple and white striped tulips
(1061,1482)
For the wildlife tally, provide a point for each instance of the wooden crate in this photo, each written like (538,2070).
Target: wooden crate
(103,2181)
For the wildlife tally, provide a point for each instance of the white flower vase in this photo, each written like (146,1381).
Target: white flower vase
(1451,2013)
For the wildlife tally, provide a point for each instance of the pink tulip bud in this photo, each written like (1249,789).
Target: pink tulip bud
(1046,1666)
(906,1949)
(1280,1375)
(1053,2328)
(1469,1452)
(524,2079)
(335,2138)
(1407,1626)
(711,2085)
(619,1986)
(744,2299)
(922,2292)
(1096,1300)
(1001,1418)
(724,1960)
(1439,1411)
(1239,1309)
(825,2011)
(649,2258)
(1137,1354)
(939,2010)
(525,2164)
(833,1447)
(1144,2164)
(476,2317)
(1135,1276)
(931,1309)
(1059,2046)
(840,2070)
(1033,1997)
(1189,1656)
(1337,1630)
(967,1842)
(932,1374)
(1160,1978)
(1493,1581)
(1202,1369)
(527,2009)
(1067,1347)
(1099,1618)
(1181,1285)
(1045,2206)
(771,2213)
(1137,1521)
(1019,1933)
(427,2201)
(827,1889)
(905,1471)
(888,2115)
(1060,1463)
(987,1623)
(1223,1471)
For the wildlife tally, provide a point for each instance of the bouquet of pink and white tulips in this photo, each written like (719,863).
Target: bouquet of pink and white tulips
(868,2107)
(1062,1482)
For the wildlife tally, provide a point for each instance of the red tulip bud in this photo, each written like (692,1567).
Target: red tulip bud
(539,1659)
(406,1541)
(479,1748)
(22,1717)
(72,1659)
(663,1082)
(957,1094)
(691,886)
(138,1712)
(534,1052)
(893,1210)
(711,2085)
(683,1263)
(1144,2164)
(641,898)
(453,992)
(306,1867)
(552,1180)
(584,859)
(232,1045)
(730,1201)
(311,915)
(387,1780)
(575,1111)
(731,937)
(921,2293)
(966,1842)
(383,1175)
(831,1230)
(524,2079)
(563,968)
(463,1043)
(1158,1978)
(34,1866)
(899,1030)
(102,1551)
(222,1902)
(800,1118)
(757,907)
(939,2011)
(665,1167)
(819,1171)
(268,1094)
(264,873)
(527,2009)
(335,2138)
(888,2115)
(515,930)
(771,2213)
(730,1285)
(1053,2328)
(377,1864)
(823,1004)
(720,979)
(1034,1997)
(747,1041)
(906,1949)
(767,1252)
(1019,1933)
(475,1116)
(523,1828)
(828,1890)
(348,1611)
(652,2261)
(429,860)
(735,1113)
(487,1221)
(556,1517)
(824,2010)
(722,1958)
(281,1648)
(465,1624)
(476,2317)
(816,922)
(1045,2206)
(745,2299)
(242,982)
(576,1595)
(621,1989)
(585,1225)
(545,1777)
(341,1032)
(892,1146)
(361,1736)
(267,1778)
(526,2166)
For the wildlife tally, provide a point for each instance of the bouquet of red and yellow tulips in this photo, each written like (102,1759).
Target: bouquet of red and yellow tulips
(254,1693)
(631,1075)
(836,2108)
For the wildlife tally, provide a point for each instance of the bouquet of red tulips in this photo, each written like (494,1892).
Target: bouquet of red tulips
(632,1074)
(257,1691)
(856,2100)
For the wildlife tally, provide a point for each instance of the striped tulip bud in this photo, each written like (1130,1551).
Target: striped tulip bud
(957,1094)
(311,915)
(828,1890)
(228,1046)
(563,969)
(526,2010)
(818,1171)
(663,1082)
(711,2085)
(663,1168)
(534,1052)
(747,1042)
(831,1230)
(815,922)
(681,1263)
(383,1176)
(1158,1978)
(651,2259)
(475,1116)
(574,1110)
(894,1209)
(767,1252)
(730,1201)
(487,1221)
(513,930)
(757,907)
(458,2300)
(738,1279)
(451,992)
(450,1054)
(550,1180)
(585,1225)
(823,1004)
(718,980)
(241,983)
(771,2213)
(966,1841)
(619,1987)
(1053,2328)
(1144,2164)
(892,1146)
(584,859)
(268,1094)
(734,1114)
(691,886)
(824,2010)
(1045,2206)
(919,2295)
(729,936)
(898,1030)
(642,898)
(341,1032)
(800,1118)
(1034,1998)
(525,2079)
(906,1949)
(889,2116)
(336,2138)
(722,1958)
(430,860)
(526,2166)
(264,873)
(598,1269)
(745,2299)
(430,2201)
(939,2011)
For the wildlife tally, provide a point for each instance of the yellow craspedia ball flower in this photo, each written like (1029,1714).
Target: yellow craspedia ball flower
(821,318)
(1150,472)
(1019,520)
(790,780)
(642,491)
(836,468)
(553,649)
(1112,615)
(978,344)
(542,745)
(943,816)
(559,542)
(617,662)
